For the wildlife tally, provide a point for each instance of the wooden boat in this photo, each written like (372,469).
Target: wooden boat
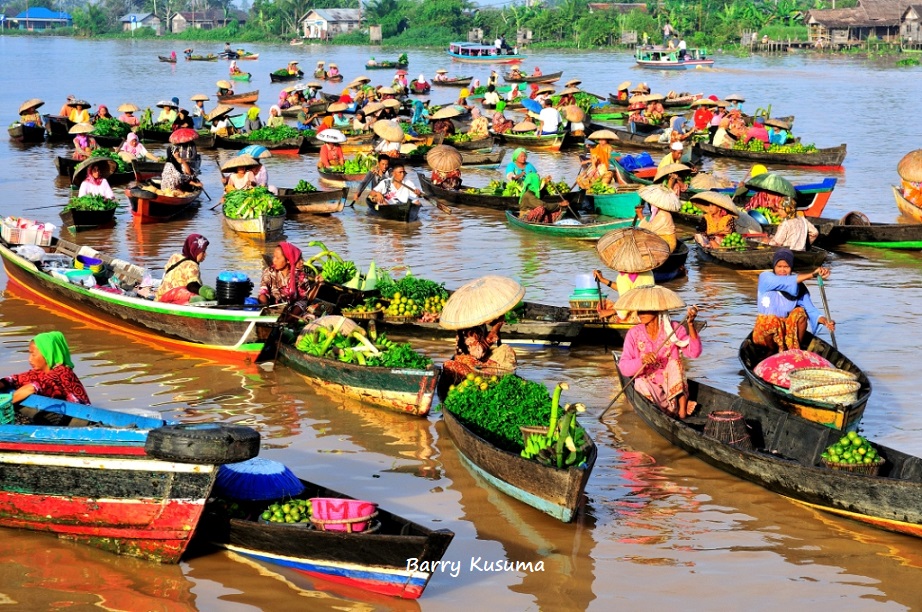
(284,78)
(676,102)
(419,90)
(313,203)
(483,160)
(376,561)
(66,166)
(146,170)
(674,266)
(150,207)
(474,53)
(241,76)
(233,55)
(557,492)
(906,207)
(315,106)
(407,213)
(408,391)
(454,82)
(26,133)
(263,226)
(785,459)
(111,479)
(211,57)
(496,202)
(336,78)
(544,78)
(661,58)
(592,230)
(168,60)
(247,97)
(79,220)
(386,65)
(216,333)
(834,233)
(240,141)
(471,145)
(57,127)
(831,157)
(836,416)
(549,142)
(758,256)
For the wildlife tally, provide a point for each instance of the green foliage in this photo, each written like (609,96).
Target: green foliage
(90,21)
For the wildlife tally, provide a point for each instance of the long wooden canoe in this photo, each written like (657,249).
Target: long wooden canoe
(470,145)
(906,207)
(557,492)
(247,97)
(406,213)
(831,157)
(548,142)
(678,101)
(489,159)
(79,220)
(262,227)
(313,203)
(837,416)
(590,229)
(67,165)
(216,333)
(150,207)
(284,78)
(758,256)
(288,145)
(168,60)
(26,133)
(785,459)
(544,78)
(202,58)
(57,127)
(834,233)
(408,391)
(574,198)
(454,82)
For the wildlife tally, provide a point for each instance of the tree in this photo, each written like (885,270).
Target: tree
(89,21)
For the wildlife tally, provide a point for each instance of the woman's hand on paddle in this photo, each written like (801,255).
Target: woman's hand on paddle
(831,325)
(821,272)
(692,313)
(649,359)
(597,275)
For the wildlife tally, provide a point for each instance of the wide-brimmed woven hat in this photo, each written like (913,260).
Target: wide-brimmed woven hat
(735,97)
(524,126)
(387,91)
(372,107)
(722,104)
(81,103)
(320,62)
(444,158)
(705,180)
(389,130)
(774,183)
(241,161)
(624,85)
(128,107)
(574,113)
(224,84)
(294,62)
(81,128)
(166,104)
(632,250)
(183,135)
(441,71)
(655,97)
(219,111)
(641,88)
(361,79)
(545,89)
(481,301)
(649,298)
(668,169)
(574,83)
(446,113)
(199,98)
(660,196)
(333,66)
(331,135)
(106,168)
(315,84)
(777,123)
(603,135)
(337,107)
(569,91)
(391,103)
(910,167)
(704,102)
(715,198)
(31,103)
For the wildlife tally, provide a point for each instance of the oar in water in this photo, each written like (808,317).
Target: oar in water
(832,334)
(437,204)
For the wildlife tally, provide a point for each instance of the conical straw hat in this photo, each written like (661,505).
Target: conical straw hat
(199,98)
(704,180)
(372,107)
(632,250)
(389,131)
(106,168)
(624,85)
(223,84)
(128,107)
(655,98)
(337,107)
(603,135)
(388,91)
(569,91)
(241,161)
(661,197)
(573,83)
(910,167)
(446,113)
(33,103)
(546,89)
(735,97)
(444,158)
(481,301)
(390,103)
(704,102)
(81,128)
(524,126)
(649,298)
(219,111)
(669,169)
(574,113)
(715,198)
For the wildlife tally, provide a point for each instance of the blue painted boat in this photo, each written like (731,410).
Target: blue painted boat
(661,58)
(474,53)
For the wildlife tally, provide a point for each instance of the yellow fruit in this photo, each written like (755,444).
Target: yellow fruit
(470,376)
(484,386)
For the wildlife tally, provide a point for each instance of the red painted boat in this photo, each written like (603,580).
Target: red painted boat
(150,207)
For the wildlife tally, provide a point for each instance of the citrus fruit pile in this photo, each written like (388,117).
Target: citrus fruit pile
(690,209)
(402,306)
(292,511)
(733,240)
(851,449)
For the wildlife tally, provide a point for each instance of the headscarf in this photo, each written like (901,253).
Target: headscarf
(232,66)
(475,113)
(677,124)
(421,79)
(783,255)
(516,153)
(500,106)
(532,183)
(253,113)
(275,108)
(53,348)
(90,179)
(283,95)
(102,109)
(132,137)
(419,110)
(292,256)
(194,245)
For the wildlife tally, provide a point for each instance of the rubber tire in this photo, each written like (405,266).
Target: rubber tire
(211,443)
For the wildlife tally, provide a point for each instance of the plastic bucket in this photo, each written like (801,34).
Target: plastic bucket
(232,292)
(334,514)
(617,205)
(584,281)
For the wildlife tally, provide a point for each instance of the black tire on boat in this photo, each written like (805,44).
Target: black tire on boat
(203,443)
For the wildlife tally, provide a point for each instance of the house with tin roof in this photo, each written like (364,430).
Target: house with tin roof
(205,20)
(133,21)
(325,23)
(874,19)
(39,18)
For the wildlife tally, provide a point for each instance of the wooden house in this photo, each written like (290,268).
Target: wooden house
(133,21)
(205,20)
(326,23)
(870,19)
(911,25)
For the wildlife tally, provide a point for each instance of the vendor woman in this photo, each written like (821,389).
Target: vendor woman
(519,166)
(51,374)
(284,281)
(478,347)
(182,277)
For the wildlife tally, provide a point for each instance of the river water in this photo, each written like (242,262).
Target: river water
(660,529)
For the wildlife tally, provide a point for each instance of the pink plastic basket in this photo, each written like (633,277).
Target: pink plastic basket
(333,514)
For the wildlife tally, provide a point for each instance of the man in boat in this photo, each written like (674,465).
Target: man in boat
(683,50)
(785,307)
(374,176)
(548,119)
(188,53)
(676,150)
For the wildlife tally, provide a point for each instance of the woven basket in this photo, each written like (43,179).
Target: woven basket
(370,314)
(584,314)
(584,304)
(842,392)
(870,469)
(399,318)
(729,427)
(826,375)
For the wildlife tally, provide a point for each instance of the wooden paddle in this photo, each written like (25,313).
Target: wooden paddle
(437,204)
(832,334)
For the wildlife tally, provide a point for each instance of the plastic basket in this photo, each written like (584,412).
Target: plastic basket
(334,514)
(7,414)
(869,469)
(584,314)
(27,235)
(584,304)
(94,265)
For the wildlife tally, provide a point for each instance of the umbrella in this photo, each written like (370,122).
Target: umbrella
(256,151)
(257,479)
(603,135)
(106,168)
(574,113)
(241,161)
(668,169)
(372,107)
(446,113)
(444,158)
(525,126)
(337,107)
(333,136)
(660,196)
(81,128)
(481,301)
(532,105)
(199,98)
(632,250)
(910,167)
(128,108)
(774,183)
(220,111)
(649,298)
(715,198)
(183,135)
(33,103)
(389,130)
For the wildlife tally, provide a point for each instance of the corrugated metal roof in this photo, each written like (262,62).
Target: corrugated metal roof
(138,17)
(868,13)
(40,13)
(335,14)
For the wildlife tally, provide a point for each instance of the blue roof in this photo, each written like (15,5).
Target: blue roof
(40,12)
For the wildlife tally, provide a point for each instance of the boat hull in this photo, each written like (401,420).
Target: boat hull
(906,207)
(831,157)
(284,78)
(314,203)
(263,226)
(394,212)
(247,97)
(291,146)
(760,258)
(159,208)
(833,234)
(544,78)
(79,220)
(550,142)
(588,231)
(26,133)
(574,198)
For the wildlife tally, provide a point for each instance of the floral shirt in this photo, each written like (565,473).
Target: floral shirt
(275,286)
(58,383)
(179,276)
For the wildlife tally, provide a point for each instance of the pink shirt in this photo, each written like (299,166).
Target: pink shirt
(637,343)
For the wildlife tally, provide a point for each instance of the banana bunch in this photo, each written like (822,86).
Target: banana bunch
(563,445)
(324,257)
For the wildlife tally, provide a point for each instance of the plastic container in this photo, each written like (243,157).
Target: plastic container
(333,514)
(617,205)
(585,281)
(81,277)
(233,292)
(7,414)
(82,262)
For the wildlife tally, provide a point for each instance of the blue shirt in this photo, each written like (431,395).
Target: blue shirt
(511,167)
(779,295)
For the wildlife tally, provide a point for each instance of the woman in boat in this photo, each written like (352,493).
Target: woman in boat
(240,173)
(532,208)
(79,112)
(132,149)
(493,79)
(420,113)
(463,95)
(445,127)
(490,97)
(440,75)
(621,93)
(127,117)
(785,307)
(447,180)
(795,232)
(500,123)
(333,72)
(183,120)
(637,114)
(182,277)
(225,88)
(719,219)
(253,121)
(653,352)
(234,69)
(420,85)
(177,172)
(67,106)
(101,113)
(29,115)
(662,203)
(703,115)
(599,162)
(477,348)
(480,127)
(722,136)
(285,281)
(358,121)
(757,132)
(319,72)
(84,143)
(95,183)
(331,151)
(519,166)
(654,113)
(51,374)
(293,68)
(168,111)
(738,127)
(275,117)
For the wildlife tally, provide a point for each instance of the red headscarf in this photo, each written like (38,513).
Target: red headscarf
(292,256)
(194,245)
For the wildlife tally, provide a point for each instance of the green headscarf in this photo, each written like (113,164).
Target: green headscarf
(53,348)
(253,113)
(532,183)
(517,152)
(500,106)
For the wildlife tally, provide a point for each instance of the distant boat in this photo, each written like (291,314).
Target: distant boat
(661,58)
(474,53)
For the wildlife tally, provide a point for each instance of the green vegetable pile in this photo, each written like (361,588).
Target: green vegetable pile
(562,445)
(733,241)
(304,187)
(758,145)
(769,214)
(465,137)
(337,271)
(498,188)
(690,209)
(90,202)
(251,203)
(600,188)
(123,166)
(293,511)
(557,188)
(852,449)
(282,72)
(358,165)
(358,349)
(111,127)
(410,287)
(271,134)
(419,152)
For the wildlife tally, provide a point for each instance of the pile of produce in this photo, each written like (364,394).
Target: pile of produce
(123,166)
(304,187)
(251,203)
(690,209)
(111,127)
(556,188)
(173,193)
(291,511)
(600,188)
(563,444)
(360,164)
(465,137)
(769,214)
(337,271)
(283,72)
(419,152)
(852,449)
(90,202)
(759,146)
(419,293)
(358,349)
(421,129)
(498,188)
(733,241)
(270,134)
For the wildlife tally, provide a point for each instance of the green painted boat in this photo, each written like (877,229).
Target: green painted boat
(834,233)
(243,76)
(549,142)
(593,230)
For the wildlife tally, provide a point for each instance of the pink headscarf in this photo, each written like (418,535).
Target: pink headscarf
(292,256)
